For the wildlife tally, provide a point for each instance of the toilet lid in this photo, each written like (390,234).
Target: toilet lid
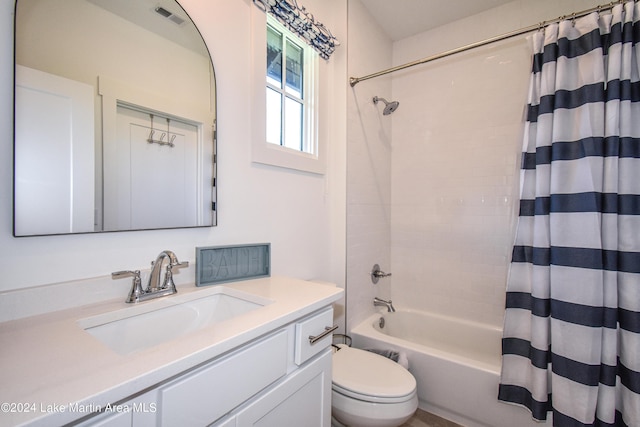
(365,373)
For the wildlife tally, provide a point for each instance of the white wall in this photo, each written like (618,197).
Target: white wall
(302,215)
(456,151)
(369,166)
(84,25)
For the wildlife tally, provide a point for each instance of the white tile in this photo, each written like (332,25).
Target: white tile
(451,153)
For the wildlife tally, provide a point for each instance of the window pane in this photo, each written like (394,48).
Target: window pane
(293,124)
(294,69)
(274,117)
(274,57)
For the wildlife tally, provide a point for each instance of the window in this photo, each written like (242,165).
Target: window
(290,90)
(287,75)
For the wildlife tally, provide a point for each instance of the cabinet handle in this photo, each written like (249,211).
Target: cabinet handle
(328,330)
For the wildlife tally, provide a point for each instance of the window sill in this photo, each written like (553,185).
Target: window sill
(276,155)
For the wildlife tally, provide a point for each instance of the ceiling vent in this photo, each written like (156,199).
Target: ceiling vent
(170,16)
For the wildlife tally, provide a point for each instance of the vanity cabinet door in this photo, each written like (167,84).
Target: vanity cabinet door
(302,399)
(123,419)
(225,422)
(139,412)
(208,393)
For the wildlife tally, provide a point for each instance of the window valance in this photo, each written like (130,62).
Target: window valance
(297,19)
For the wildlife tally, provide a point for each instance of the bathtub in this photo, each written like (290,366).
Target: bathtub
(456,364)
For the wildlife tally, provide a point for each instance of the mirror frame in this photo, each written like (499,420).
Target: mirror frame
(212,90)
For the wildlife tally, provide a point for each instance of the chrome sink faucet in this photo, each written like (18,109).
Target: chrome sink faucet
(156,271)
(154,289)
(377,302)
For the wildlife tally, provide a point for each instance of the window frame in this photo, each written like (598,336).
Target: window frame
(308,143)
(274,154)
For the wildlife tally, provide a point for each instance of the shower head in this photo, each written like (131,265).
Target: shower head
(389,107)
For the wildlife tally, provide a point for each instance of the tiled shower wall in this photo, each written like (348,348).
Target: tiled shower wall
(432,190)
(368,166)
(456,141)
(454,182)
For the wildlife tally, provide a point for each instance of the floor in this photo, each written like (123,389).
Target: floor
(426,419)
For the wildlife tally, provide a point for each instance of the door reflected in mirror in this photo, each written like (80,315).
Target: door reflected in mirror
(114,118)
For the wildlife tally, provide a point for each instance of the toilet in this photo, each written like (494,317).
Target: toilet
(370,390)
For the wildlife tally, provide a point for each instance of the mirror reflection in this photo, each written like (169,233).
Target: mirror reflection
(114,118)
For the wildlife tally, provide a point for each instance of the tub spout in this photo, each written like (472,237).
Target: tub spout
(377,302)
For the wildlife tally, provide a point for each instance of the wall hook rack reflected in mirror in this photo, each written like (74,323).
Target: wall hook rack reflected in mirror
(161,141)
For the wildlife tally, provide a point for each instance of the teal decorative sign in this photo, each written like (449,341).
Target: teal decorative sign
(220,264)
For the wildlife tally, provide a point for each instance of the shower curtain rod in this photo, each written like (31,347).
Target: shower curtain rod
(355,80)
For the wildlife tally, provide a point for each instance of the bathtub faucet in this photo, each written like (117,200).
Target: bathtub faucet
(377,302)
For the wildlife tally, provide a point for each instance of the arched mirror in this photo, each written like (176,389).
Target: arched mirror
(114,118)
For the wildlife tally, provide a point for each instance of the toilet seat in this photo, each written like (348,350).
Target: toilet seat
(370,377)
(372,399)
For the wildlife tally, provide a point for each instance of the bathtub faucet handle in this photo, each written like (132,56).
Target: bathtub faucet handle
(376,274)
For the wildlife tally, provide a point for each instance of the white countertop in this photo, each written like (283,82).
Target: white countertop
(49,364)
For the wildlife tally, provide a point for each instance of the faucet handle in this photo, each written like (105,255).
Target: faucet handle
(180,264)
(168,275)
(136,288)
(376,274)
(126,273)
(174,264)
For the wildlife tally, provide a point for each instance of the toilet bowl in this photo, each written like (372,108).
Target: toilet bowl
(369,390)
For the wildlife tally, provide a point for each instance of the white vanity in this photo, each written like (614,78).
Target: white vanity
(254,365)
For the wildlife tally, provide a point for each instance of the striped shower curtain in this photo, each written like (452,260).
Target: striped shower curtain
(571,343)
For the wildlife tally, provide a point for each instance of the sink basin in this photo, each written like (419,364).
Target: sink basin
(139,327)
